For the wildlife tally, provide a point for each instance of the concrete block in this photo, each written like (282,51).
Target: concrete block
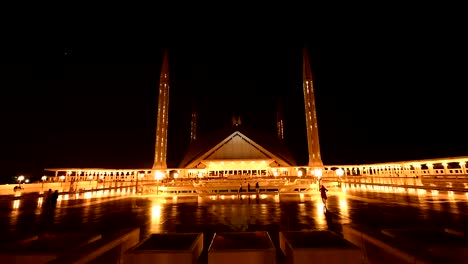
(182,248)
(245,248)
(320,246)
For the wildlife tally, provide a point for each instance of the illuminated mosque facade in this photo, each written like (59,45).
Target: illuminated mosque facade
(243,152)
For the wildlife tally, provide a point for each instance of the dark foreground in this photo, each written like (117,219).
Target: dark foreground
(383,210)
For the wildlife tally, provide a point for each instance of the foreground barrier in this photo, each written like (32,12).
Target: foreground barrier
(43,248)
(379,249)
(242,248)
(318,246)
(167,248)
(108,249)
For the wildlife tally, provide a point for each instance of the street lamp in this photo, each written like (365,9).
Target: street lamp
(62,179)
(318,174)
(158,176)
(339,172)
(43,178)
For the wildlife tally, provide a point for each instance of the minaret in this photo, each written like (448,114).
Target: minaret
(163,117)
(193,123)
(315,160)
(279,119)
(236,120)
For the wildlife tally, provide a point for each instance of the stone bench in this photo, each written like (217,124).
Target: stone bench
(43,248)
(167,248)
(384,247)
(318,246)
(447,245)
(242,248)
(108,249)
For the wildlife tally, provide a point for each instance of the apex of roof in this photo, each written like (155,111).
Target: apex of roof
(237,142)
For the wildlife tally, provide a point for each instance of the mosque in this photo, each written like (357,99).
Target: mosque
(239,151)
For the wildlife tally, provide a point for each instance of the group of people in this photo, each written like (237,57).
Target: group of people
(51,198)
(257,188)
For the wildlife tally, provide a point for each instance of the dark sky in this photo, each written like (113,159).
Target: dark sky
(389,87)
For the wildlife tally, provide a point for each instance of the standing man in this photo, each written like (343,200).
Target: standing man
(323,194)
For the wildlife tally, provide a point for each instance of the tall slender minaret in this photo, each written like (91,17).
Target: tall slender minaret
(315,160)
(279,119)
(163,117)
(193,123)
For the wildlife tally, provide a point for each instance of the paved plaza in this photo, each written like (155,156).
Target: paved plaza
(377,209)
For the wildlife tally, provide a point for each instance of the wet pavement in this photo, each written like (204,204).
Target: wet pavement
(100,212)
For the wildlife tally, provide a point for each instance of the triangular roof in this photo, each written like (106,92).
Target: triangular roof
(237,143)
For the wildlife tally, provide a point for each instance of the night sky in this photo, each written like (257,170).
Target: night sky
(387,89)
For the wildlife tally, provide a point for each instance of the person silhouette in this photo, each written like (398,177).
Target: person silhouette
(48,197)
(54,198)
(323,194)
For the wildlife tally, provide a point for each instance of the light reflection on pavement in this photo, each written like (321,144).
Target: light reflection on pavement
(109,211)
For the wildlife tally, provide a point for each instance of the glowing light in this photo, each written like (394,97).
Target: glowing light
(62,177)
(44,178)
(20,178)
(299,173)
(176,175)
(155,218)
(339,172)
(264,196)
(318,173)
(158,175)
(16,204)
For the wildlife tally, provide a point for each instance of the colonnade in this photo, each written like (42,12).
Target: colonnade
(433,167)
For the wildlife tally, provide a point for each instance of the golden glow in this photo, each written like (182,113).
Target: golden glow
(221,165)
(16,204)
(158,175)
(318,173)
(263,196)
(344,210)
(339,172)
(320,221)
(155,218)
